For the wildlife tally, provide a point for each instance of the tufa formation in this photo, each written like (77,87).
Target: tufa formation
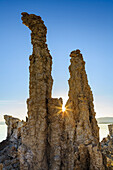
(107,148)
(9,148)
(51,139)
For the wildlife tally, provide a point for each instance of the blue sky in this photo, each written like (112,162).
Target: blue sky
(72,24)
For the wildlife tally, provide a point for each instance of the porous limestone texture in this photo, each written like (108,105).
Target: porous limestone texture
(13,127)
(81,130)
(107,148)
(9,147)
(50,138)
(55,134)
(110,127)
(34,132)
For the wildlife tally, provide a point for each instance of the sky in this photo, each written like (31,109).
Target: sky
(72,24)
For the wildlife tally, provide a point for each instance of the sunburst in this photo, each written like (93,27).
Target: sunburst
(63,108)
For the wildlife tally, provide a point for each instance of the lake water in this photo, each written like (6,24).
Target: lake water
(3,132)
(103,131)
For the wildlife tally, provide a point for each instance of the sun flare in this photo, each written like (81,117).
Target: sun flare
(63,108)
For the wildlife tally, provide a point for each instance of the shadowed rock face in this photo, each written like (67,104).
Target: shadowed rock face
(107,147)
(9,148)
(52,139)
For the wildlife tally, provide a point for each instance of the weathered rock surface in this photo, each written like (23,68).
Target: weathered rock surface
(110,127)
(51,139)
(81,130)
(107,148)
(9,147)
(14,126)
(34,132)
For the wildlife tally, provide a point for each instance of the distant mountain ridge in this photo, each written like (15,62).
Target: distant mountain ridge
(105,120)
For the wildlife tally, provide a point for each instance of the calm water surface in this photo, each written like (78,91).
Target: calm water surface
(3,132)
(103,131)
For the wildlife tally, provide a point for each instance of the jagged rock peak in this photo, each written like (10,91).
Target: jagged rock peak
(76,57)
(9,119)
(75,53)
(31,19)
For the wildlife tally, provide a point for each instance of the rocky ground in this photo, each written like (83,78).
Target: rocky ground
(107,148)
(9,155)
(9,159)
